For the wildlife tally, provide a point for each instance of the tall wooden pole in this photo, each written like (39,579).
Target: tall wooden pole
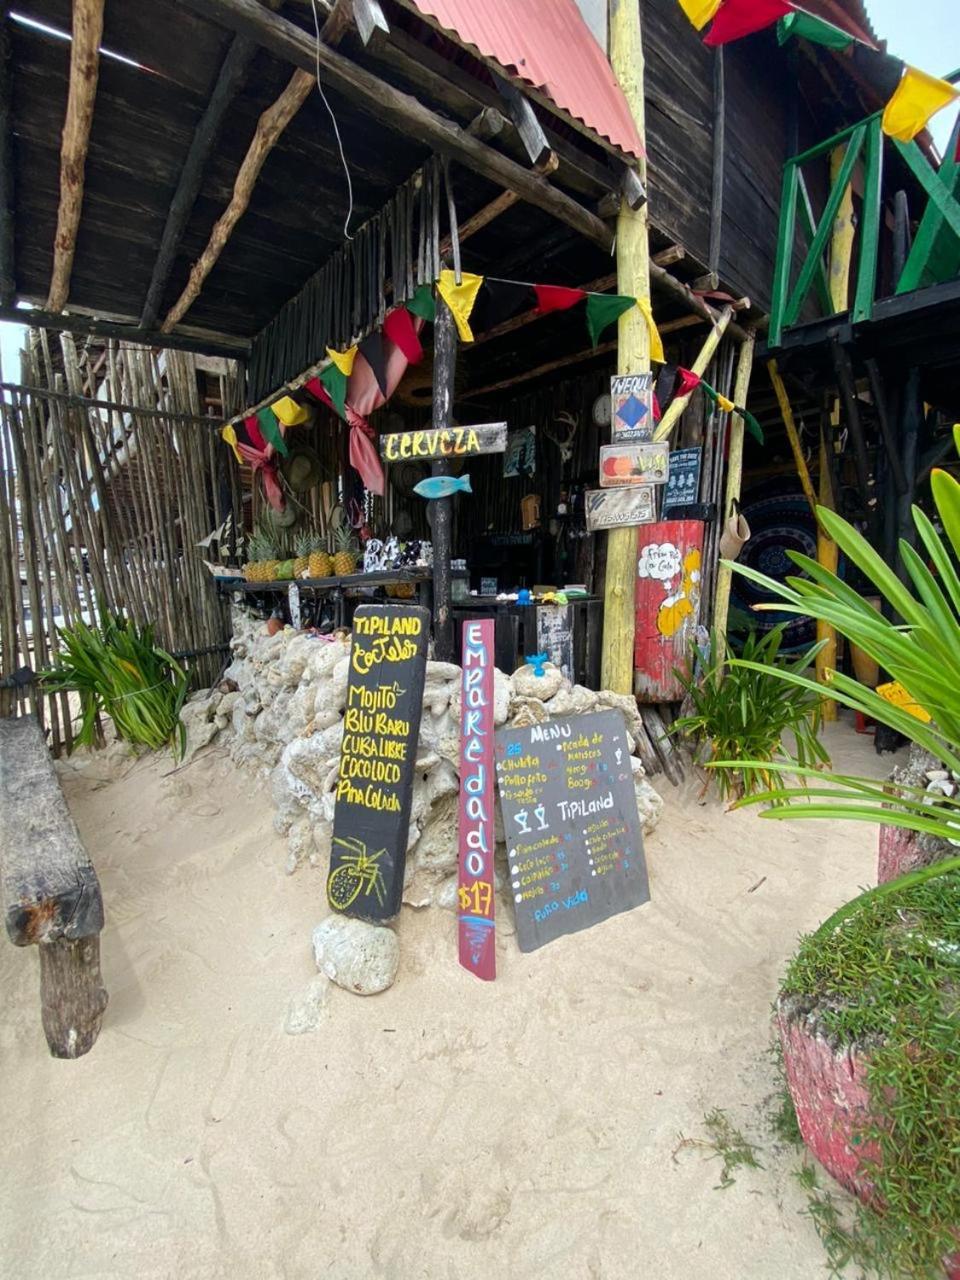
(444,370)
(741,387)
(633,351)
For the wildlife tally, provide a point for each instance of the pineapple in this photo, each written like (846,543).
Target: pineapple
(345,559)
(321,565)
(257,547)
(302,546)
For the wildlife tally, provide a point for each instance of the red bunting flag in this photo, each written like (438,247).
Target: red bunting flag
(687,381)
(738,18)
(556,297)
(398,327)
(253,432)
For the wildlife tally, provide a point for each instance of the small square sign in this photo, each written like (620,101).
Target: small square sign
(631,408)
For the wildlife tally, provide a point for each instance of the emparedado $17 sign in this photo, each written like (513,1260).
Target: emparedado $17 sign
(475,903)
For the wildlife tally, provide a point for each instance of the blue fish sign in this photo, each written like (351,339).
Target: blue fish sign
(442,486)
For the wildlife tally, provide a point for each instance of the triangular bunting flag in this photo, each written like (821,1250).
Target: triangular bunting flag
(500,300)
(727,406)
(556,297)
(917,98)
(687,382)
(805,26)
(398,327)
(422,303)
(343,359)
(752,425)
(289,412)
(334,382)
(656,342)
(252,428)
(230,436)
(460,298)
(267,421)
(699,11)
(373,351)
(603,309)
(738,18)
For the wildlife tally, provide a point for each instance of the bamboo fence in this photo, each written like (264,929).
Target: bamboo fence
(102,509)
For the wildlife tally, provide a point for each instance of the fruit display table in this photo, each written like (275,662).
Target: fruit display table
(344,589)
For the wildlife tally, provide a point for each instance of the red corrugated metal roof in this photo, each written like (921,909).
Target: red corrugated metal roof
(548,44)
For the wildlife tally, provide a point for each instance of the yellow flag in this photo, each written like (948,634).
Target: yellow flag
(230,436)
(460,298)
(917,98)
(700,11)
(723,403)
(656,343)
(289,412)
(343,359)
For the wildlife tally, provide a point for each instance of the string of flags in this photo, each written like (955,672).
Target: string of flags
(915,97)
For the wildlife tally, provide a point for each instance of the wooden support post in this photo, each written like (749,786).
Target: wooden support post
(699,366)
(72,995)
(269,128)
(84,71)
(633,352)
(786,411)
(444,371)
(741,389)
(8,275)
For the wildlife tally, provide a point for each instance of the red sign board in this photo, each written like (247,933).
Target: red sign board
(475,908)
(669,556)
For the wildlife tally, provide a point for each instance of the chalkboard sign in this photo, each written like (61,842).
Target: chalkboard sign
(683,482)
(574,840)
(381,724)
(555,635)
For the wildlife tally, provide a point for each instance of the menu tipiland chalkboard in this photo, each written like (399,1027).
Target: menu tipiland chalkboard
(570,820)
(381,724)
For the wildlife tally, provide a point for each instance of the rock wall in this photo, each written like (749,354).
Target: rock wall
(280,710)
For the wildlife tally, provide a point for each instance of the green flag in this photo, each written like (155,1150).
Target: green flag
(603,309)
(807,27)
(335,381)
(270,430)
(422,303)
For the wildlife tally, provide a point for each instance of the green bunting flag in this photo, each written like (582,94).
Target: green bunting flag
(270,429)
(603,309)
(422,303)
(749,421)
(805,26)
(335,381)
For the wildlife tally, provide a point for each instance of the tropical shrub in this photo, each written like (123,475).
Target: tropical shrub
(741,711)
(118,670)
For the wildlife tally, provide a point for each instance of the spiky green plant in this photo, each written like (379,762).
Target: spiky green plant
(119,670)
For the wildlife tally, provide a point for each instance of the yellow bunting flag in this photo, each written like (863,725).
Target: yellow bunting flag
(917,98)
(343,359)
(230,436)
(656,343)
(289,412)
(460,298)
(723,403)
(700,11)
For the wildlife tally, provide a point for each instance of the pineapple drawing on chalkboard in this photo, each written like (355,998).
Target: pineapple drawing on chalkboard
(358,870)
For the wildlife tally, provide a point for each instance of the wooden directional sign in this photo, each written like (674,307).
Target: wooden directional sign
(633,464)
(631,407)
(374,791)
(475,886)
(450,442)
(570,820)
(615,508)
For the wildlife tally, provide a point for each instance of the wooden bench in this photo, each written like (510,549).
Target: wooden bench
(49,889)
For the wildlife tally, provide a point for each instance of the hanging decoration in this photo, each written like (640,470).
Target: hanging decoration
(288,412)
(423,304)
(399,328)
(805,26)
(374,352)
(230,435)
(603,310)
(700,11)
(344,359)
(738,18)
(460,298)
(270,429)
(917,99)
(556,297)
(334,380)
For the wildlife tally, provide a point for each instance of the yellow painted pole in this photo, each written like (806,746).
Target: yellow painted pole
(699,367)
(633,352)
(741,389)
(793,435)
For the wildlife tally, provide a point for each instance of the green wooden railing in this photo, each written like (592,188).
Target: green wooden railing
(934,255)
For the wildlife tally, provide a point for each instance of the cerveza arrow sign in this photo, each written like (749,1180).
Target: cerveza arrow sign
(448,442)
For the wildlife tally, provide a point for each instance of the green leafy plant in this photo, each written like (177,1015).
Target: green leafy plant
(741,711)
(118,670)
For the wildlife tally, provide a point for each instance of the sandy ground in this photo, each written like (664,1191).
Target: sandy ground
(444,1129)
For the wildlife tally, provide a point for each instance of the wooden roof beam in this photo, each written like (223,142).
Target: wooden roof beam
(382,100)
(213,344)
(84,71)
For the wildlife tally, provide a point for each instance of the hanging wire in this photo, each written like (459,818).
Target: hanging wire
(336,127)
